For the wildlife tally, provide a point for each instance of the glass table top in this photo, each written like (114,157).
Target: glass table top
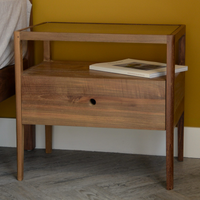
(109,28)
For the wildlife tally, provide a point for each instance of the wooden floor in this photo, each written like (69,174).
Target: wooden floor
(96,176)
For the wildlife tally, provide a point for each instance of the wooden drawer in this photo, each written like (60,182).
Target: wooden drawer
(51,95)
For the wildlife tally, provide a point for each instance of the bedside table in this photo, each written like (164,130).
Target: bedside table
(68,93)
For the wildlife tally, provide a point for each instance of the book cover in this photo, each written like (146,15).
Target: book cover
(133,67)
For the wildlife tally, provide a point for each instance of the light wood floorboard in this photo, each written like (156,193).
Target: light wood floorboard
(79,175)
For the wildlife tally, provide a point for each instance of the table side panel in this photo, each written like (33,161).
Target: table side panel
(94,37)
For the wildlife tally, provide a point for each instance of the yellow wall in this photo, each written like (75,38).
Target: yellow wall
(131,11)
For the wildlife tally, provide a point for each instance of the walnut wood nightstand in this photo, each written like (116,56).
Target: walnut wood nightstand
(68,93)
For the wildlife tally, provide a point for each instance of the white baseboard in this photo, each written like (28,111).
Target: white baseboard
(105,140)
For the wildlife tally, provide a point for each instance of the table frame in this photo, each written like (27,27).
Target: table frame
(169,40)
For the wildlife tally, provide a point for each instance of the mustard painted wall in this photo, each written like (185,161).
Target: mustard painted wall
(129,11)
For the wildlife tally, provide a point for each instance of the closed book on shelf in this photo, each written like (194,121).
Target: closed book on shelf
(133,67)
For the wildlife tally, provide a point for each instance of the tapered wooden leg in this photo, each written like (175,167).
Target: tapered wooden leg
(20,152)
(19,126)
(29,137)
(170,112)
(180,137)
(48,138)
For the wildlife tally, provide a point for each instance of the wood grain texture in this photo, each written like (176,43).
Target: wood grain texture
(113,95)
(54,95)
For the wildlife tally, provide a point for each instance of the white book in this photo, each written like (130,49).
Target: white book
(132,67)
